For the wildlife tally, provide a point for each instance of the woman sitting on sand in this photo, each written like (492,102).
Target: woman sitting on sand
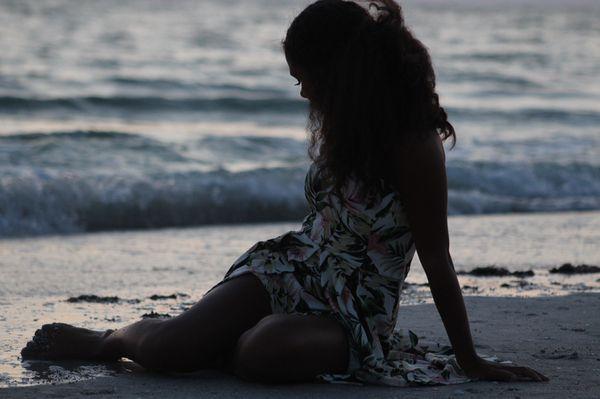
(322,302)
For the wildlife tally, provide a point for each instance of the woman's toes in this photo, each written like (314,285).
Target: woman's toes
(51,327)
(41,341)
(30,345)
(30,350)
(46,329)
(25,352)
(55,327)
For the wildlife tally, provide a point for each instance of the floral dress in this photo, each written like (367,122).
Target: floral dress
(349,260)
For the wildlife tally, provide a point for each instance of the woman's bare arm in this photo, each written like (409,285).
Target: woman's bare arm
(424,191)
(423,185)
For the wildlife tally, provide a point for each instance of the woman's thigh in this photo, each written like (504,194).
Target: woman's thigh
(208,332)
(291,348)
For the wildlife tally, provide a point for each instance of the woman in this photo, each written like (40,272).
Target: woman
(322,302)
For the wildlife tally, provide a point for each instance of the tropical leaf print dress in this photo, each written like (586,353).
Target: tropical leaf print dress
(349,260)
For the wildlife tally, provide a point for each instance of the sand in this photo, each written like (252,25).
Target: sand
(559,336)
(166,271)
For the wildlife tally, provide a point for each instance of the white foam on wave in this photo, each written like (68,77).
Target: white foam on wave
(76,181)
(45,201)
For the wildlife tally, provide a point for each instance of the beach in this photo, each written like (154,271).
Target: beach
(558,336)
(109,279)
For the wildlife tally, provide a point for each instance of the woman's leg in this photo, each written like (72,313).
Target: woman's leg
(193,340)
(291,348)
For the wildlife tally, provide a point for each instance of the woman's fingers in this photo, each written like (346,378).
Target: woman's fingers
(538,376)
(527,374)
(504,372)
(504,375)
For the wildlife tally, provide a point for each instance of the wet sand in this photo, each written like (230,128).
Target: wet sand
(107,280)
(559,336)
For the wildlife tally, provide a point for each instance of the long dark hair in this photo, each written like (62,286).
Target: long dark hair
(374,87)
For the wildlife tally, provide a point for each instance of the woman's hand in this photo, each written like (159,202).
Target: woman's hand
(482,369)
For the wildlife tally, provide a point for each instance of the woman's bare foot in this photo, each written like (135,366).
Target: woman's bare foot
(60,341)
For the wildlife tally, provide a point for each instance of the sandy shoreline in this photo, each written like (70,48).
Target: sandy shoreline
(59,278)
(559,336)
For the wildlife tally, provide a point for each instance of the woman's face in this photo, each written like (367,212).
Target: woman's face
(306,88)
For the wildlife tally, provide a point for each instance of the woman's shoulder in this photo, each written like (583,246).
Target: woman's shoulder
(417,159)
(429,147)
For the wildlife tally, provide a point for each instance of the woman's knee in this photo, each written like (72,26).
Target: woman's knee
(258,351)
(282,345)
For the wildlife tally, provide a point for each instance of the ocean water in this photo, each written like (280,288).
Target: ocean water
(142,114)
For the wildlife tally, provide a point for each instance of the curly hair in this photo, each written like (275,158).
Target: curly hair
(374,86)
